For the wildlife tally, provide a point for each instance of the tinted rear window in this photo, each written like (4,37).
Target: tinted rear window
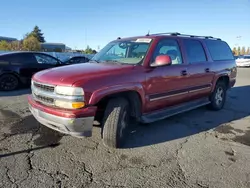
(195,51)
(219,50)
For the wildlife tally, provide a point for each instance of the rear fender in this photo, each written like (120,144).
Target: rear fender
(218,76)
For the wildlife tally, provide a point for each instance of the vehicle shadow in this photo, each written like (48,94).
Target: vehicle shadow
(193,122)
(12,124)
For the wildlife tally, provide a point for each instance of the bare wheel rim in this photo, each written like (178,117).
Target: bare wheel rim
(219,95)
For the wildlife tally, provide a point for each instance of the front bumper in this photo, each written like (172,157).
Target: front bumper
(69,124)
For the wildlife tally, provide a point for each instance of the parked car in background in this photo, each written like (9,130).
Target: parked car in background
(143,79)
(17,68)
(243,61)
(76,60)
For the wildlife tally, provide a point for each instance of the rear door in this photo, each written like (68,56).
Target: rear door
(22,63)
(199,69)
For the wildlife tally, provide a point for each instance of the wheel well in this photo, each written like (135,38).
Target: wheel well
(224,79)
(133,98)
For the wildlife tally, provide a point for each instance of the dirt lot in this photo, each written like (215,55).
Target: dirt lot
(200,149)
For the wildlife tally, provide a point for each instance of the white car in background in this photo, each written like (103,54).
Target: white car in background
(243,61)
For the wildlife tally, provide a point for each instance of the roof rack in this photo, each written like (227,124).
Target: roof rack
(185,35)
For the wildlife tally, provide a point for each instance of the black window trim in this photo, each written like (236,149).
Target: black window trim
(179,46)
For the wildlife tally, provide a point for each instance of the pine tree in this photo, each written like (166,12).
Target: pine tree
(37,34)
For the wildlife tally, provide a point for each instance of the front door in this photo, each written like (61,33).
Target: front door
(167,85)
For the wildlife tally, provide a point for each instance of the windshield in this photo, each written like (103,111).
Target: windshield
(124,52)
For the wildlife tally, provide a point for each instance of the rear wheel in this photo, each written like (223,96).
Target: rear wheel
(115,122)
(8,82)
(218,97)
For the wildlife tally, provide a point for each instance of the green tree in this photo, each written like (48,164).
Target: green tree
(238,50)
(31,44)
(89,50)
(4,45)
(37,33)
(15,45)
(243,50)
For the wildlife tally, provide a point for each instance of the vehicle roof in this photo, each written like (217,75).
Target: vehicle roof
(22,52)
(170,35)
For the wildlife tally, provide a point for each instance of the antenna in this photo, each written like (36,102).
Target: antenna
(148,33)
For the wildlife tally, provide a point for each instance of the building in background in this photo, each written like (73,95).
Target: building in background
(7,39)
(53,47)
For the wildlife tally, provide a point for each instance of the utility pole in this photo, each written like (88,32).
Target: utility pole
(238,44)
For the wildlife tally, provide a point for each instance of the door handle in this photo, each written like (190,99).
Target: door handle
(207,70)
(183,72)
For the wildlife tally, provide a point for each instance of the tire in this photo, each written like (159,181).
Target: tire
(115,123)
(8,82)
(218,97)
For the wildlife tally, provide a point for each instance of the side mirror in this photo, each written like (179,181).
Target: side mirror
(162,60)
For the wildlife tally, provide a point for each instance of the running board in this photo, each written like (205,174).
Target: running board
(171,111)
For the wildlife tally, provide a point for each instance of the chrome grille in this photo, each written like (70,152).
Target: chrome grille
(44,99)
(44,87)
(43,93)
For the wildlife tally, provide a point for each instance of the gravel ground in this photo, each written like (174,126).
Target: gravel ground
(200,149)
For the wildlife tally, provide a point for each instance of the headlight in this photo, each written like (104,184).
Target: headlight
(71,91)
(69,105)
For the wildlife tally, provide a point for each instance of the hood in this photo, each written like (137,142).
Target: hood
(69,74)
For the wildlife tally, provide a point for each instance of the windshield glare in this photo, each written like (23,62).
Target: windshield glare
(127,52)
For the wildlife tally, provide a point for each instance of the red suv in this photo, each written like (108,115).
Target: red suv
(144,78)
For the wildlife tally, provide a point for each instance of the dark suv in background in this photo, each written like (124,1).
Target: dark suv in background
(17,68)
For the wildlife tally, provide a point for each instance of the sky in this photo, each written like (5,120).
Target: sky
(78,23)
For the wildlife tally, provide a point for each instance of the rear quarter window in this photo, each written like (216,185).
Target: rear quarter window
(219,50)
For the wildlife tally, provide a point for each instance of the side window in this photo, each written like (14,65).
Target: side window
(219,50)
(17,59)
(195,51)
(168,47)
(83,60)
(44,59)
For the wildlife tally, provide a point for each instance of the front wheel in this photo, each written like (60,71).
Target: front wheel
(218,97)
(8,82)
(115,122)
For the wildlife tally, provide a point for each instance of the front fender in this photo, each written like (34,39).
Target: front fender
(106,91)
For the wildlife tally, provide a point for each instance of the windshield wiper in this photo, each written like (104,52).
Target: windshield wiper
(114,62)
